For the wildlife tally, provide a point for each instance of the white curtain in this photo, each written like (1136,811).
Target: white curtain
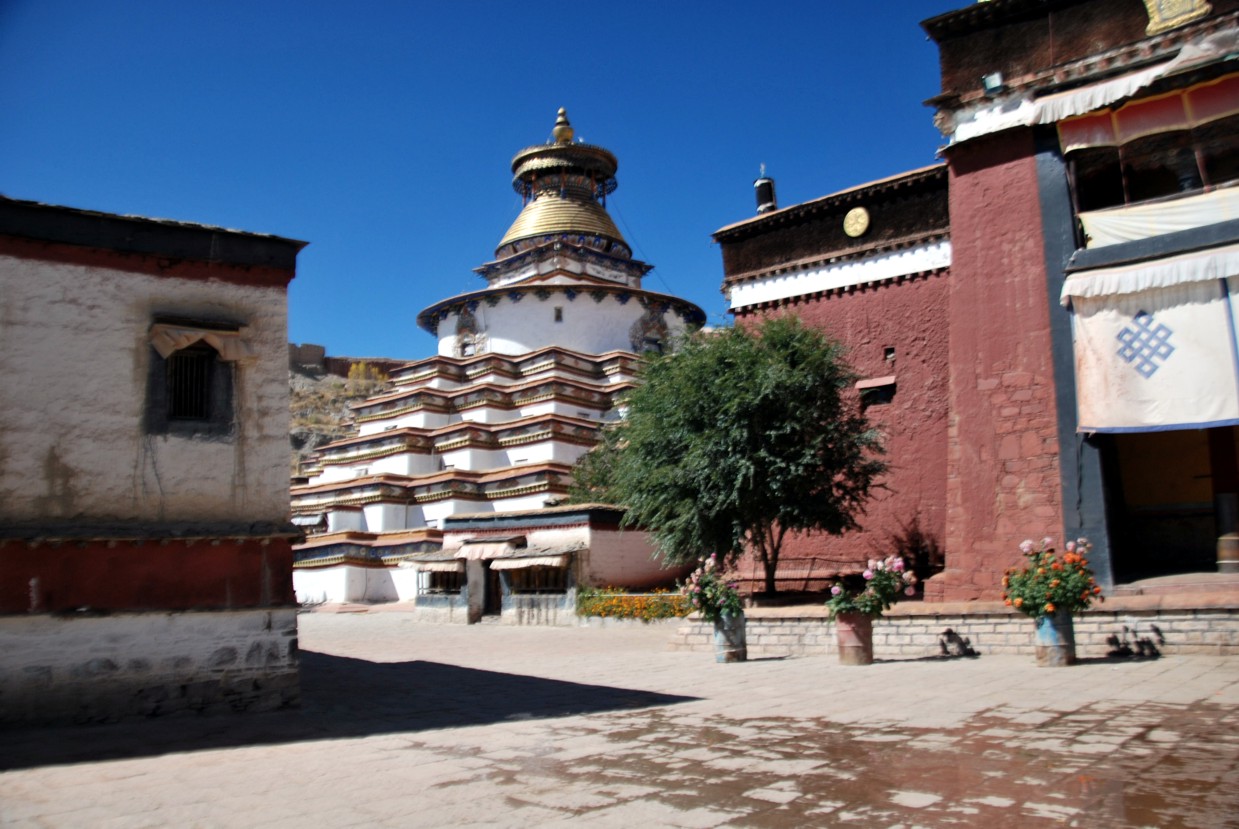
(1155,359)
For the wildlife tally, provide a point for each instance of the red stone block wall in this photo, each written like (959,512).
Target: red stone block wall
(1003,463)
(909,316)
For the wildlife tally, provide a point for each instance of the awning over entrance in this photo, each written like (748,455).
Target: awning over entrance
(530,561)
(1155,343)
(488,548)
(436,566)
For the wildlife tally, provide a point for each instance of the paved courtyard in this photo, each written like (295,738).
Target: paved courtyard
(409,725)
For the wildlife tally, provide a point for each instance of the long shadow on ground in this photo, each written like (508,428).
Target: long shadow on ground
(340,698)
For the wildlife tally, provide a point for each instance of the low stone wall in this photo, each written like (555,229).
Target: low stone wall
(96,668)
(915,631)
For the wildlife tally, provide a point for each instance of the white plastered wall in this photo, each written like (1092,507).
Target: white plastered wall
(624,558)
(519,327)
(74,356)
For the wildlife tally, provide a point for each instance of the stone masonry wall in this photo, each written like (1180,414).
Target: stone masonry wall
(1002,439)
(98,668)
(1202,631)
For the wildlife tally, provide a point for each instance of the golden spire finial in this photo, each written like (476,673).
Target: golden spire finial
(563,130)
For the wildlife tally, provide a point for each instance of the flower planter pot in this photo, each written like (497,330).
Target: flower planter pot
(1056,640)
(854,636)
(729,641)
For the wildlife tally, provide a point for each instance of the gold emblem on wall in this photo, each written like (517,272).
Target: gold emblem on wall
(856,222)
(1167,14)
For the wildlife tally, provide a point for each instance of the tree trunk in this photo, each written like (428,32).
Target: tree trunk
(767,549)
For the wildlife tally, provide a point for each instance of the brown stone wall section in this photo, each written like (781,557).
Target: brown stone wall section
(910,317)
(812,231)
(1002,467)
(1024,41)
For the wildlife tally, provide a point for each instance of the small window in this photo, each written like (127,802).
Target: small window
(559,314)
(189,393)
(189,383)
(436,584)
(876,391)
(538,580)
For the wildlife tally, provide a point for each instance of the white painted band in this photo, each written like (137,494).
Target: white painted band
(906,262)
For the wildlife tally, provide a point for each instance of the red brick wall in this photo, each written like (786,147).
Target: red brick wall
(910,317)
(149,575)
(1002,467)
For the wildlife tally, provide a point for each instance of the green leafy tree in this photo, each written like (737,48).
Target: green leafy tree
(736,439)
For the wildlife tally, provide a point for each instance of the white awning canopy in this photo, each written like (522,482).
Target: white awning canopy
(530,561)
(440,566)
(1198,266)
(1115,225)
(488,548)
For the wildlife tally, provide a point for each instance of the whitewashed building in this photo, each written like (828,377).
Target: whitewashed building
(145,541)
(528,370)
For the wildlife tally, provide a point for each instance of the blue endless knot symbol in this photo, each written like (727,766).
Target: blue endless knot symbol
(1145,342)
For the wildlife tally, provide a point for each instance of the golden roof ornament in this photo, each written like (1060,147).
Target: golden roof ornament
(1169,14)
(563,131)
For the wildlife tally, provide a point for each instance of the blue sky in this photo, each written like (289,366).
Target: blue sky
(382,132)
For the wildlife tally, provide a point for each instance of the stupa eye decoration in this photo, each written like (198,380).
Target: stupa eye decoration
(649,333)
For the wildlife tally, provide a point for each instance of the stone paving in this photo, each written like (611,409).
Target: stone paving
(406,724)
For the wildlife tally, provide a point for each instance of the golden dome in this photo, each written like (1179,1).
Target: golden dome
(564,185)
(552,214)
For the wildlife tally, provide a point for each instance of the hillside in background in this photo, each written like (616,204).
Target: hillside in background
(320,404)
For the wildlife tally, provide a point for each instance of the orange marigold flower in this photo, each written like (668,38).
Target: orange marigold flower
(1097,590)
(1049,607)
(1019,602)
(1007,602)
(1055,583)
(1056,566)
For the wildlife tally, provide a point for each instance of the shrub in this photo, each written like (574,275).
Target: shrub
(617,603)
(875,590)
(1049,583)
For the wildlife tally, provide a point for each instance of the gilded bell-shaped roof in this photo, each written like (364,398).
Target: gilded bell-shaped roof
(565,185)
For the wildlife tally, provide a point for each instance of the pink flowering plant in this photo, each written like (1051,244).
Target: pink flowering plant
(873,591)
(710,593)
(1049,582)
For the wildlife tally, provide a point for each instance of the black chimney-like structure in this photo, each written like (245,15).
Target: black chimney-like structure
(763,188)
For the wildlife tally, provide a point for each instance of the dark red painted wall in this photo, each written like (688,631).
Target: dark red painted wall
(911,317)
(150,575)
(1003,467)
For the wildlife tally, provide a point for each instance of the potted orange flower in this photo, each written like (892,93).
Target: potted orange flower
(1051,589)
